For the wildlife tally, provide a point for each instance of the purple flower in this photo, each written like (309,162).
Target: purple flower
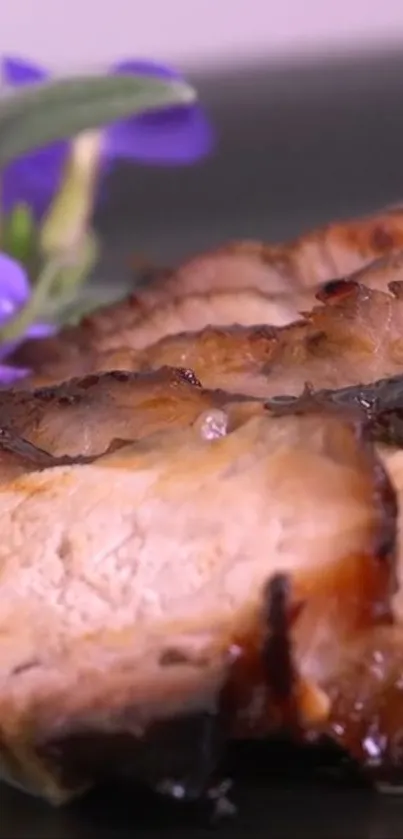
(14,293)
(173,135)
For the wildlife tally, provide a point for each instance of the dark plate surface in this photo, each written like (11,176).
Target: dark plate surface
(300,145)
(277,793)
(290,802)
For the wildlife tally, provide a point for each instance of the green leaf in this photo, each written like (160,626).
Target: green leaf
(40,114)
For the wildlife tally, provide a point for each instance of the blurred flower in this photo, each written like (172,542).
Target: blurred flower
(174,135)
(14,293)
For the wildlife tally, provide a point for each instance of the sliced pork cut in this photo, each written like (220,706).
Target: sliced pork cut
(85,417)
(241,283)
(365,687)
(185,576)
(352,336)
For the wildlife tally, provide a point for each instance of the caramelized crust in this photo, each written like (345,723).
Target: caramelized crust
(241,283)
(353,336)
(102,634)
(237,561)
(85,417)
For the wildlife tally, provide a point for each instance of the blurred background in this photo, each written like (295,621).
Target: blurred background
(202,33)
(306,96)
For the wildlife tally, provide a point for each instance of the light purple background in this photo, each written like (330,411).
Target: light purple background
(69,34)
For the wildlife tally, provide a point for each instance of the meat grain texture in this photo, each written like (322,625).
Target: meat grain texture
(174,548)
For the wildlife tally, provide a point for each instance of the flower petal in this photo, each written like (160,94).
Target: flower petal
(145,67)
(34,179)
(40,330)
(14,286)
(170,135)
(9,374)
(18,71)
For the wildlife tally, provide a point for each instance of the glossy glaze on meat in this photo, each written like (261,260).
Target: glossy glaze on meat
(84,416)
(242,283)
(351,336)
(150,594)
(202,529)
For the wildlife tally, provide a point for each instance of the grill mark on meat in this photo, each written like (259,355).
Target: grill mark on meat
(174,656)
(25,666)
(177,350)
(349,339)
(277,649)
(288,271)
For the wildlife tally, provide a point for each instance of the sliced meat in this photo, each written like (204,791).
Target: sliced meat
(241,283)
(383,273)
(366,701)
(83,417)
(76,352)
(167,582)
(329,252)
(18,457)
(365,687)
(379,405)
(352,337)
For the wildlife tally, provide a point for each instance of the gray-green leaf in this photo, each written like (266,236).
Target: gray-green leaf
(42,113)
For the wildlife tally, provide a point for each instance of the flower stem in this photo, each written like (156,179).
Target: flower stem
(71,277)
(16,327)
(55,288)
(70,212)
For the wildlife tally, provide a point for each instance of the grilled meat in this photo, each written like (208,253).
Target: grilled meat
(84,416)
(352,336)
(242,283)
(196,546)
(152,595)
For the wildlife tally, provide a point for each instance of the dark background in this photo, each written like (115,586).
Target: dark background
(299,145)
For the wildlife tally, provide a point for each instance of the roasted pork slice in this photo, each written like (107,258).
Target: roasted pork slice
(382,273)
(352,336)
(366,692)
(85,416)
(185,581)
(241,283)
(329,252)
(366,700)
(79,350)
(18,456)
(361,683)
(379,404)
(322,254)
